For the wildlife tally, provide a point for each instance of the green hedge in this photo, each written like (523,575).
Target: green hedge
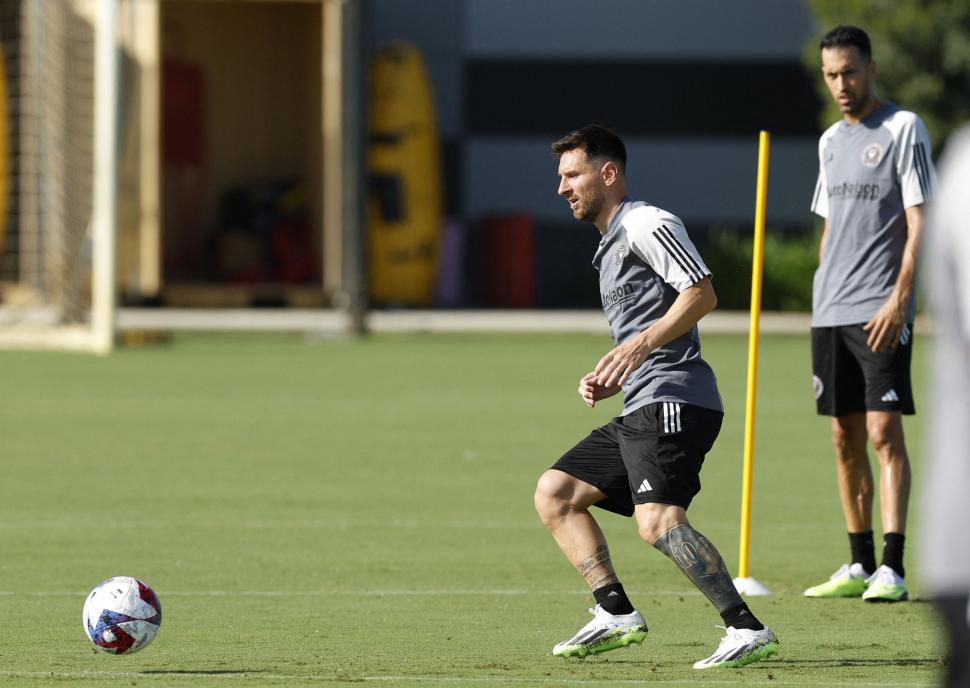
(789,266)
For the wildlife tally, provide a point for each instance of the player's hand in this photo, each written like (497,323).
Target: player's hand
(886,326)
(616,366)
(591,391)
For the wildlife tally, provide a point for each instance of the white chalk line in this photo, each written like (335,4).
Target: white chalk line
(439,592)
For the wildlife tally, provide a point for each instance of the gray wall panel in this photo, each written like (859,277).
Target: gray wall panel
(768,29)
(706,181)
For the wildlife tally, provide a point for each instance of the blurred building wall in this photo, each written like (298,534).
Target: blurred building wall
(688,85)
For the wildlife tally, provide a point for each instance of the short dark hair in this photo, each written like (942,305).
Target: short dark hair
(845,36)
(597,141)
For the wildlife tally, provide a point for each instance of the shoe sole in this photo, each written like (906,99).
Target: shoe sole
(763,652)
(605,645)
(888,600)
(835,593)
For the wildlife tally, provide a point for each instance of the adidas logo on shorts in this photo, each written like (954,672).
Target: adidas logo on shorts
(890,396)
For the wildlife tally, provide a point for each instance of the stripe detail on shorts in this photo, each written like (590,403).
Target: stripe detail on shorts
(671,414)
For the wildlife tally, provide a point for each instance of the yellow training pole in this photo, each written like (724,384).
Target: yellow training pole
(757,262)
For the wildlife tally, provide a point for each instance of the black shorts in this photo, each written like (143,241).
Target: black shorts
(654,454)
(849,377)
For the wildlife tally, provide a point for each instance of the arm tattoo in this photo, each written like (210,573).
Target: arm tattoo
(598,569)
(701,563)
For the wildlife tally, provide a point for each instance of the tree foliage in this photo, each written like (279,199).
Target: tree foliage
(922,53)
(787,273)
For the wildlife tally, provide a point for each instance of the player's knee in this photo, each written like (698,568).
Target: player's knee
(881,440)
(653,520)
(840,441)
(552,496)
(649,532)
(885,436)
(847,439)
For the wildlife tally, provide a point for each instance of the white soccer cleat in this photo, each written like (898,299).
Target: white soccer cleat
(885,585)
(848,581)
(605,632)
(741,646)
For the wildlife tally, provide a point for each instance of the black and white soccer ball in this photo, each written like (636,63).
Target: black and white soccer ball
(122,615)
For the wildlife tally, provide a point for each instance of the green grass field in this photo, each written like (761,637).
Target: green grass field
(323,512)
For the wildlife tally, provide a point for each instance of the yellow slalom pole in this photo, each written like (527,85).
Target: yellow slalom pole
(757,262)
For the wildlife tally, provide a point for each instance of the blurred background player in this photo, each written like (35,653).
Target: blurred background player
(875,174)
(945,560)
(645,463)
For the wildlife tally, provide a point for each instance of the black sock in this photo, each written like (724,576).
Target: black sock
(892,552)
(613,599)
(741,617)
(863,551)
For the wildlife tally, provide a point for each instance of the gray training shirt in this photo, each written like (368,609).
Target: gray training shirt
(869,173)
(645,260)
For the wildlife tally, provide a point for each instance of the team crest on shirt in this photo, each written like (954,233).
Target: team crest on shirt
(872,155)
(619,254)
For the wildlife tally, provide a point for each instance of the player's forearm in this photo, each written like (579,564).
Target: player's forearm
(688,308)
(903,289)
(906,280)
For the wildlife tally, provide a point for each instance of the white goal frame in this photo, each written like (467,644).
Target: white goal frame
(40,329)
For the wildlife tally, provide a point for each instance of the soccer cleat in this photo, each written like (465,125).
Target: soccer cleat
(885,585)
(741,646)
(605,632)
(848,581)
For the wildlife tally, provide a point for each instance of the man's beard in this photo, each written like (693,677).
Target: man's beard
(587,209)
(857,104)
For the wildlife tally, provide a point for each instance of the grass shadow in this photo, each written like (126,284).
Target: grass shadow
(846,662)
(202,672)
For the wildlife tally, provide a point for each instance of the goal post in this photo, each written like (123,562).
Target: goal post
(58,283)
(104,259)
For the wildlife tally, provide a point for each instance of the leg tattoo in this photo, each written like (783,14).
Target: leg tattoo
(701,563)
(598,569)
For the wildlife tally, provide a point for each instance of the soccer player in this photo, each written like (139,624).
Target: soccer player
(946,508)
(875,174)
(645,463)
